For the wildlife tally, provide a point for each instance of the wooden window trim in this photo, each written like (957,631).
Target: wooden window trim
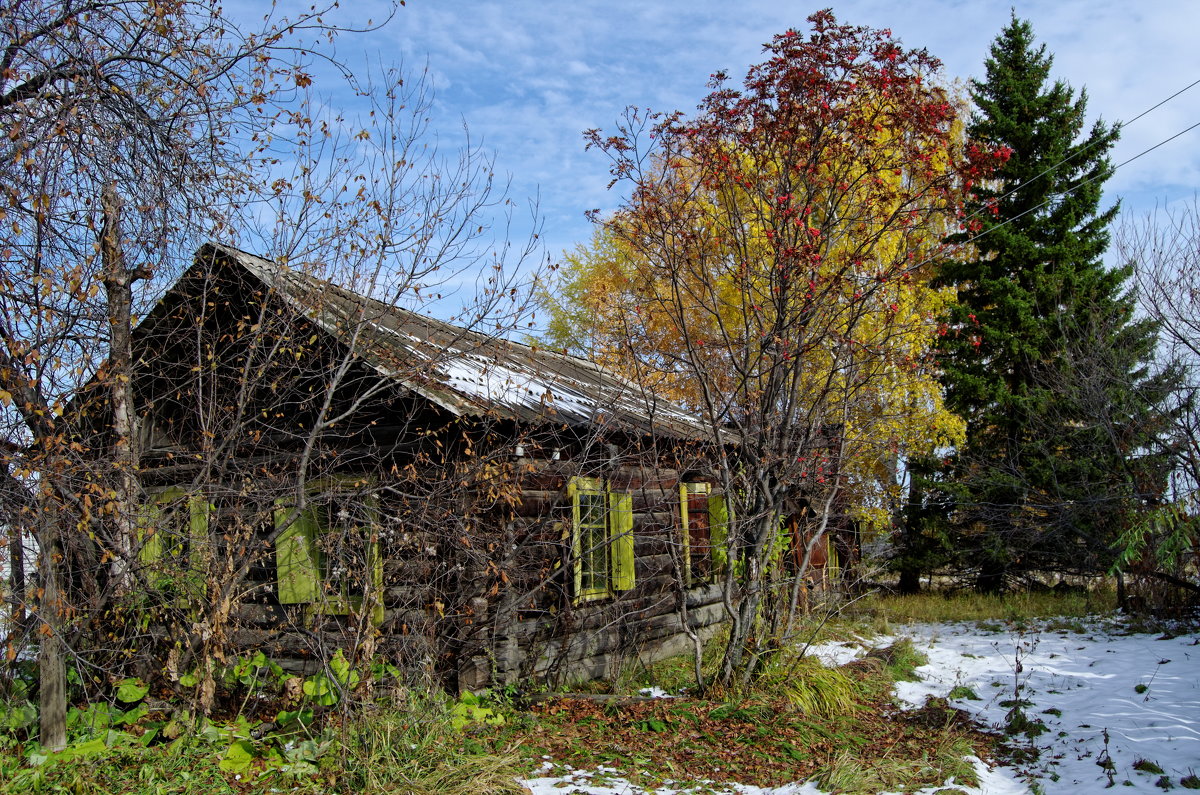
(617,561)
(718,518)
(299,556)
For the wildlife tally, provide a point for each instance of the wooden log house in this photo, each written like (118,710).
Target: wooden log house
(328,471)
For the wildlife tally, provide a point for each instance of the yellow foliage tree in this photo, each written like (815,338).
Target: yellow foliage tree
(607,305)
(771,270)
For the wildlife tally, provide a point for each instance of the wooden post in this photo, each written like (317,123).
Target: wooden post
(52,674)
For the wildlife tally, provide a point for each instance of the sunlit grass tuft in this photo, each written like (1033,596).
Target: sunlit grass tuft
(812,688)
(945,759)
(417,750)
(933,607)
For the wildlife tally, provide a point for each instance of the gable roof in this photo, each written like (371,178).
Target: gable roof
(463,371)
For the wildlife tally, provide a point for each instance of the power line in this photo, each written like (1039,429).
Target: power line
(1160,143)
(1159,105)
(1103,174)
(1120,126)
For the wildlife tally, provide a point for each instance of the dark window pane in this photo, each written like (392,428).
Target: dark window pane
(593,541)
(699,538)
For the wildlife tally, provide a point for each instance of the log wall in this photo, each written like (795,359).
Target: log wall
(491,602)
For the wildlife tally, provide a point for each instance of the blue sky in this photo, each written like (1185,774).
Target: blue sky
(527,77)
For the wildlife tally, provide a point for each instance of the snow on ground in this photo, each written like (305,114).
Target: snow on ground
(607,781)
(654,692)
(1106,697)
(1111,701)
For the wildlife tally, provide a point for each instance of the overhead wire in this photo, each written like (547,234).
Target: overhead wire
(1065,160)
(1101,175)
(1119,126)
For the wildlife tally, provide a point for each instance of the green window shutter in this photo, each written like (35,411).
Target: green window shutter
(833,566)
(685,534)
(198,546)
(783,543)
(718,527)
(198,513)
(296,563)
(620,525)
(149,533)
(576,551)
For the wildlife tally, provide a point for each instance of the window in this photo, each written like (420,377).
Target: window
(601,539)
(796,534)
(329,555)
(347,524)
(172,534)
(704,522)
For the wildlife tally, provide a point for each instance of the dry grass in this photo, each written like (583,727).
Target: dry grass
(932,607)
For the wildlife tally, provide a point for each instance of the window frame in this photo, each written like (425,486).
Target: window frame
(717,513)
(300,576)
(152,543)
(616,568)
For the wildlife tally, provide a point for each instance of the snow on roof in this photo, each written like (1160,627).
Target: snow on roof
(467,372)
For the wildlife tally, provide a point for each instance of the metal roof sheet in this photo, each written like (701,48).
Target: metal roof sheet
(466,372)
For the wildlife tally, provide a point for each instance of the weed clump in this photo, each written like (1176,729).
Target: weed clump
(901,660)
(812,688)
(962,693)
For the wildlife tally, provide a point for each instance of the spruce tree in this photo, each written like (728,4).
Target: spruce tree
(1042,356)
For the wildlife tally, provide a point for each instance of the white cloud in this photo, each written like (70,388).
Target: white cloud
(528,76)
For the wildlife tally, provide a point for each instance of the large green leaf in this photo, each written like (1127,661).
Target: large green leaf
(18,716)
(322,690)
(239,757)
(345,675)
(287,720)
(131,690)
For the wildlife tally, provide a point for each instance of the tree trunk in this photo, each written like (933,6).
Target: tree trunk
(118,285)
(990,579)
(742,638)
(16,504)
(910,580)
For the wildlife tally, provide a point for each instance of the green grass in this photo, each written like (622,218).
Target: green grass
(962,692)
(902,660)
(812,688)
(413,749)
(945,758)
(186,769)
(419,751)
(799,719)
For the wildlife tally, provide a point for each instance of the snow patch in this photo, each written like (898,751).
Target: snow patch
(655,692)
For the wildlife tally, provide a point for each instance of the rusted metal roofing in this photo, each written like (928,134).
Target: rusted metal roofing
(466,372)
